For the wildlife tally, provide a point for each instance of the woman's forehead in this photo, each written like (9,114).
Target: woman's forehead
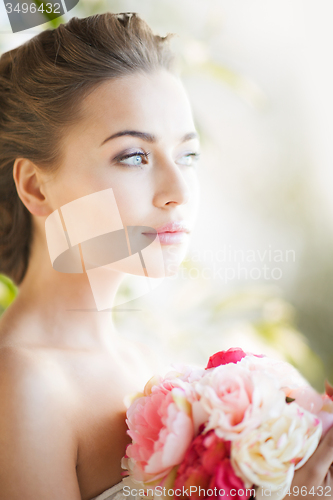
(153,104)
(155,101)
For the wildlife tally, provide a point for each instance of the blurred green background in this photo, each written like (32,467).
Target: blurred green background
(259,271)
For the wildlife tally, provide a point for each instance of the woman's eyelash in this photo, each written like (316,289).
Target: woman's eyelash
(144,156)
(135,153)
(189,159)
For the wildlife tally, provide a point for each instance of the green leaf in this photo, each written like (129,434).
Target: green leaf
(51,17)
(8,292)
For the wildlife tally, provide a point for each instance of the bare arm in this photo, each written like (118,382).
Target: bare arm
(37,446)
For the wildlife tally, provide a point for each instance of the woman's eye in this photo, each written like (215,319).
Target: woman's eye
(134,159)
(188,159)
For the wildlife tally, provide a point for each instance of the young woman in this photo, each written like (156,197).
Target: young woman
(90,106)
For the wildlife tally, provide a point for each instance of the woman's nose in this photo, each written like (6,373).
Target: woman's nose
(171,187)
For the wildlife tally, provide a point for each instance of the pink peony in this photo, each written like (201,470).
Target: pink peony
(181,376)
(232,355)
(161,429)
(207,465)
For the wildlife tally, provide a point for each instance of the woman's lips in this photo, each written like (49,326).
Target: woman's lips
(171,233)
(172,238)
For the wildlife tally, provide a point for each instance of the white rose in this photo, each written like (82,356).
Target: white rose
(268,455)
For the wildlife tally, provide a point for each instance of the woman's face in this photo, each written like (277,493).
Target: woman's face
(137,137)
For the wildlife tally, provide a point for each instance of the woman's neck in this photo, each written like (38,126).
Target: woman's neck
(62,305)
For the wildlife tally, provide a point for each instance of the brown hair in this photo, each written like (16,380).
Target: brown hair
(42,83)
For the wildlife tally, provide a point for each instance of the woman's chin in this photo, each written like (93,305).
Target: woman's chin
(160,262)
(173,256)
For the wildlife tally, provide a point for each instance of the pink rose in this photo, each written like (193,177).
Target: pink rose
(207,466)
(237,400)
(318,404)
(284,373)
(232,355)
(227,480)
(161,429)
(306,397)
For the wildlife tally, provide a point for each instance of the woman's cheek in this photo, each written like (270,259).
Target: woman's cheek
(130,198)
(195,192)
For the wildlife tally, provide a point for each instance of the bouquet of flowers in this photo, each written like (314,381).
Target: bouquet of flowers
(238,428)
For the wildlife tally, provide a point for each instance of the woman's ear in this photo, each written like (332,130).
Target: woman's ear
(28,181)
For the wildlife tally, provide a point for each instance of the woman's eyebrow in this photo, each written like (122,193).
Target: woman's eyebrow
(146,136)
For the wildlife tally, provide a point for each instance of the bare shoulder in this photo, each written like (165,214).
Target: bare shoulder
(26,369)
(34,383)
(37,441)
